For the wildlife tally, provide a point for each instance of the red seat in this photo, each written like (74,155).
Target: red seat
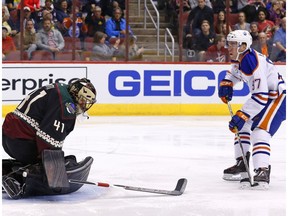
(42,55)
(69,44)
(16,56)
(88,43)
(67,56)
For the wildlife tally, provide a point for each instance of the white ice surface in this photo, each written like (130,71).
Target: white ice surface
(154,152)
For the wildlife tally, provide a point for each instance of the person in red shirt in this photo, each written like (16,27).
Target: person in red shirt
(34,5)
(217,52)
(264,25)
(7,43)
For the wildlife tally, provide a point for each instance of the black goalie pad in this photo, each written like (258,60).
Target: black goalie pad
(34,180)
(54,166)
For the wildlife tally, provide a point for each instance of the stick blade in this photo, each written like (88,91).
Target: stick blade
(180,187)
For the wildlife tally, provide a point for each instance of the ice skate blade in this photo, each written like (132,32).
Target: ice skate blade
(260,186)
(237,177)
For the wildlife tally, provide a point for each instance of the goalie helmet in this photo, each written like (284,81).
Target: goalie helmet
(83,94)
(240,36)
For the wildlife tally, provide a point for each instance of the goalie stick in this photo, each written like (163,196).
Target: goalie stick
(179,189)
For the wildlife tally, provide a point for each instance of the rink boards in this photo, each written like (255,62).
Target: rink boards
(131,89)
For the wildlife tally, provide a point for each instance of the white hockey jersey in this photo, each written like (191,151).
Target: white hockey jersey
(262,78)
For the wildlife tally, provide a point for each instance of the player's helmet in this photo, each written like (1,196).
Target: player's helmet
(240,36)
(83,94)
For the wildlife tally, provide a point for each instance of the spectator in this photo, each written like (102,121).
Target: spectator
(116,26)
(33,5)
(220,5)
(112,5)
(88,5)
(252,8)
(11,5)
(254,31)
(219,23)
(27,16)
(241,4)
(204,40)
(217,52)
(62,11)
(263,45)
(264,25)
(275,13)
(224,29)
(101,51)
(280,41)
(186,6)
(95,22)
(135,53)
(195,18)
(194,3)
(242,24)
(7,21)
(49,39)
(7,43)
(47,15)
(29,41)
(48,7)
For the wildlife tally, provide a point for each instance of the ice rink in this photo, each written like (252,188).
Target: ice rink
(154,152)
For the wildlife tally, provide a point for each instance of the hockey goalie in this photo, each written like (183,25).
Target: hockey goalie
(33,136)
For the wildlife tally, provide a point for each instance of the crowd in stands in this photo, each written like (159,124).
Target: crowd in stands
(206,22)
(48,29)
(100,27)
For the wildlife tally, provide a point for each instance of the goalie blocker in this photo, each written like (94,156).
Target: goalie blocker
(47,178)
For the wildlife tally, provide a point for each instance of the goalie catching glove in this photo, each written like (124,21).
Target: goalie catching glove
(225,90)
(238,120)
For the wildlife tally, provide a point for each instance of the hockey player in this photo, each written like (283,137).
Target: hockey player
(33,135)
(261,115)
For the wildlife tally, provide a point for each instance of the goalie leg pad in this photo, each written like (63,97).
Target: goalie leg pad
(54,166)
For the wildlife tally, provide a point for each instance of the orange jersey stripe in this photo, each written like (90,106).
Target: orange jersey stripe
(261,147)
(265,121)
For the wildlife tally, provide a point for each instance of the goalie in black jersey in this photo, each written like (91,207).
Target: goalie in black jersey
(33,135)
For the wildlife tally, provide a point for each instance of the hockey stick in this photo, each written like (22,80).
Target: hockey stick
(179,189)
(252,184)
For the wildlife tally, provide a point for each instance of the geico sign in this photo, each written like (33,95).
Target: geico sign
(127,83)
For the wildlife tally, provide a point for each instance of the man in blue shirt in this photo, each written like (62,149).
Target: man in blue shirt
(280,41)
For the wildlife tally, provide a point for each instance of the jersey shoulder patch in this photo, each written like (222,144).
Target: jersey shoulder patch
(68,105)
(249,63)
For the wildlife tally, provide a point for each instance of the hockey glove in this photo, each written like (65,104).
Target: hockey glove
(238,120)
(225,90)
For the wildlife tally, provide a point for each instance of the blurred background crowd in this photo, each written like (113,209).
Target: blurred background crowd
(97,30)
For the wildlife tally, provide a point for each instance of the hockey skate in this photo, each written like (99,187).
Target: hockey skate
(238,171)
(262,179)
(12,187)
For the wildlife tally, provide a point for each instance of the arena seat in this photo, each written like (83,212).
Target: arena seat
(88,43)
(66,56)
(42,55)
(16,56)
(69,44)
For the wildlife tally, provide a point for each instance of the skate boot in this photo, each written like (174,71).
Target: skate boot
(12,187)
(261,179)
(238,171)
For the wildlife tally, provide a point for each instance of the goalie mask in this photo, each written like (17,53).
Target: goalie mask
(83,94)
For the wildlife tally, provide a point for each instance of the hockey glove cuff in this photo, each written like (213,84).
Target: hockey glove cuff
(238,120)
(225,90)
